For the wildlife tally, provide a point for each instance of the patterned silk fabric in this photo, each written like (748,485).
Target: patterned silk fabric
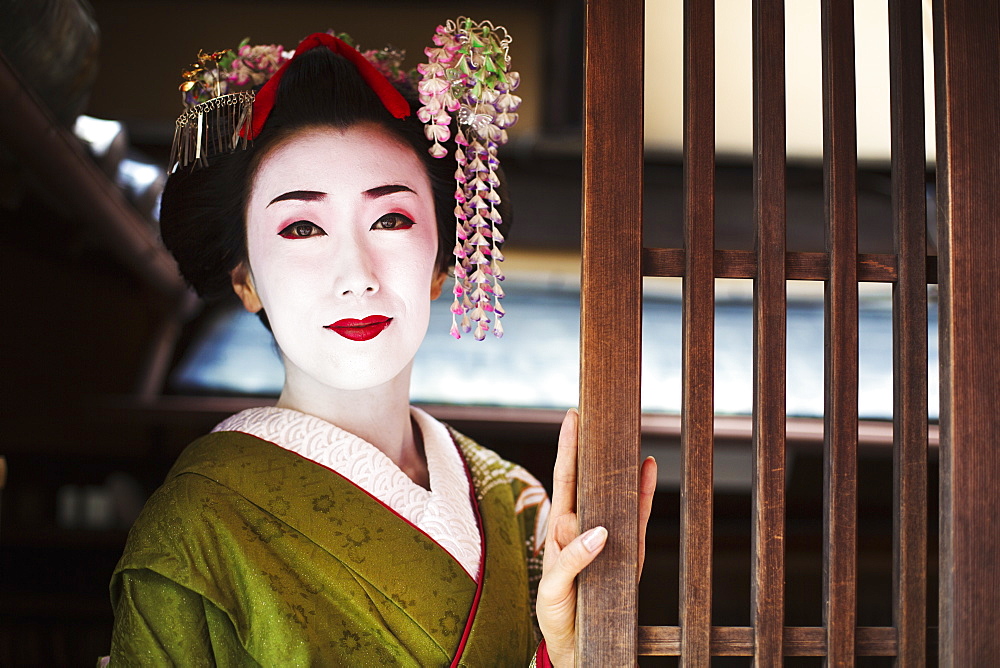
(444,512)
(253,555)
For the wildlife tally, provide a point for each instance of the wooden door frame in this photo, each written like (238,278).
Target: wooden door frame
(967,67)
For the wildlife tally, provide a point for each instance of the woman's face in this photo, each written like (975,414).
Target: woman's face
(342,241)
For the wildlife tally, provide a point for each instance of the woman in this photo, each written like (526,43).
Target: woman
(341,526)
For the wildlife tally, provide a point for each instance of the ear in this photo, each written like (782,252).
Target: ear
(243,287)
(436,285)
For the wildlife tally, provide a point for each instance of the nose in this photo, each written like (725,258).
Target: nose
(355,269)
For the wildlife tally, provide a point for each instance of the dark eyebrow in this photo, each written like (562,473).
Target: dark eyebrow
(304,195)
(382,191)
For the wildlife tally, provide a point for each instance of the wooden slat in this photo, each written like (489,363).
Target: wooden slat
(872,267)
(199,411)
(909,330)
(767,603)
(798,431)
(966,71)
(841,326)
(698,332)
(739,641)
(611,315)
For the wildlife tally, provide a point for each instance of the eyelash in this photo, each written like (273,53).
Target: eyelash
(290,231)
(401,222)
(397,221)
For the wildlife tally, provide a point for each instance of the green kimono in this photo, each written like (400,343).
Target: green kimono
(253,555)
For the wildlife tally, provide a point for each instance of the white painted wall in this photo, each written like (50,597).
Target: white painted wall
(734,96)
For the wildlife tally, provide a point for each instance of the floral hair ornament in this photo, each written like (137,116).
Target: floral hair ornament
(468,78)
(220,117)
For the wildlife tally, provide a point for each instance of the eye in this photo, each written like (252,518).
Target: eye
(393,221)
(301,229)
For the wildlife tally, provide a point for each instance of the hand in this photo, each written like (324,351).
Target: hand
(567,552)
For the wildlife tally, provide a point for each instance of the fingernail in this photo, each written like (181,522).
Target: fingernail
(595,538)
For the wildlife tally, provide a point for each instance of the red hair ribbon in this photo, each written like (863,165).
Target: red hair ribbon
(391,98)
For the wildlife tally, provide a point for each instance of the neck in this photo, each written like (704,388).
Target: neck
(379,415)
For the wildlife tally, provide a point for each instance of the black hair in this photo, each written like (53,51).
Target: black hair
(202,211)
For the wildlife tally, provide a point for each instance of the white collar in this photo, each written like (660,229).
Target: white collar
(444,512)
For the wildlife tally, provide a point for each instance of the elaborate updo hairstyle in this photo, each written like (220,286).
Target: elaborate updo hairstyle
(202,213)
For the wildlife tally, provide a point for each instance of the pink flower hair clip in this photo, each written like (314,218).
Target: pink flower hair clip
(468,78)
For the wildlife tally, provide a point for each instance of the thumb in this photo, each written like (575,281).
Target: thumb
(575,557)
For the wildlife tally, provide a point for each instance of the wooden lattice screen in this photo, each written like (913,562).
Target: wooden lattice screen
(614,261)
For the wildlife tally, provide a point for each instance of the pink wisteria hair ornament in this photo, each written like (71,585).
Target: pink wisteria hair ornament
(466,80)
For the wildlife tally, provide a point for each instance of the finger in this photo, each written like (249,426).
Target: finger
(647,488)
(566,529)
(561,532)
(564,473)
(558,583)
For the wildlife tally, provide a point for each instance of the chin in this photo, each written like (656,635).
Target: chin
(362,376)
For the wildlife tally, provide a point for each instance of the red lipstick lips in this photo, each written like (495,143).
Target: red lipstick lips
(360,330)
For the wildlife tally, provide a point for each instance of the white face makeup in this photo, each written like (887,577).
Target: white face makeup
(342,241)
